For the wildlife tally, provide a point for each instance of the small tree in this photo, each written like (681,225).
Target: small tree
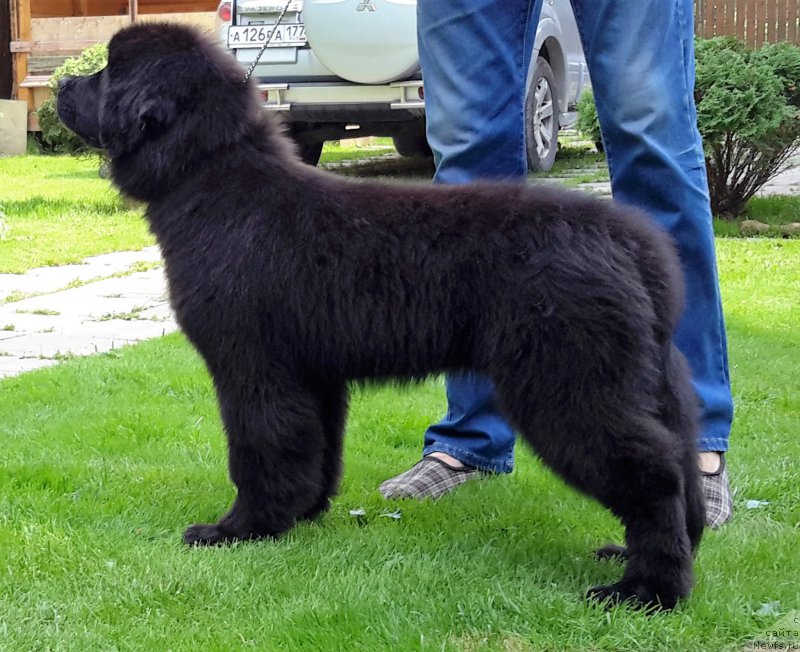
(57,138)
(748,111)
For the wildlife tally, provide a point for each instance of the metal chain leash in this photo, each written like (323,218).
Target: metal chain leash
(264,47)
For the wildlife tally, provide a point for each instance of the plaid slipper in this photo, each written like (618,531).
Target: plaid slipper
(717,492)
(428,478)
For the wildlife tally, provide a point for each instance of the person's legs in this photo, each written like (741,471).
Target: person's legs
(642,65)
(641,62)
(472,431)
(475,56)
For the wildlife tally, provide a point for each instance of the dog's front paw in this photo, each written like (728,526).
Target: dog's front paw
(638,596)
(207,535)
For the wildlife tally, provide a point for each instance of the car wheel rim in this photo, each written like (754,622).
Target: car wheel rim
(543,118)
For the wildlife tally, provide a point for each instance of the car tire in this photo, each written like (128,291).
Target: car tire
(310,152)
(541,118)
(412,144)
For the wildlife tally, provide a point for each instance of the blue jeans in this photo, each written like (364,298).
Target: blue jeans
(475,55)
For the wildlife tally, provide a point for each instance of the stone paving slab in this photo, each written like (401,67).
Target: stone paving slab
(597,187)
(50,279)
(13,366)
(114,296)
(97,316)
(786,183)
(52,346)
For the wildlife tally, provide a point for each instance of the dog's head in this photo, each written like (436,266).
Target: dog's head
(168,97)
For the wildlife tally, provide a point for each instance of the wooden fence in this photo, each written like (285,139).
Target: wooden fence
(754,21)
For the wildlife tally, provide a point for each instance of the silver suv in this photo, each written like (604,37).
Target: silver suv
(347,68)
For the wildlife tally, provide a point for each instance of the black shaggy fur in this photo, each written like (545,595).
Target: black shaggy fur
(291,282)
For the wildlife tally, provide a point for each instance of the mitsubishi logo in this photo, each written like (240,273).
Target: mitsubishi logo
(366,5)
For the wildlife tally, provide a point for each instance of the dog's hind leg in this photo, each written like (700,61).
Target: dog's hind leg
(646,489)
(611,449)
(276,449)
(679,413)
(695,501)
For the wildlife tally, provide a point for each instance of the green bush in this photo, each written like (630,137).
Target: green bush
(748,112)
(4,229)
(588,125)
(57,138)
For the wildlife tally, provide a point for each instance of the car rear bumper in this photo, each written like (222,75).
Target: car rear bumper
(333,101)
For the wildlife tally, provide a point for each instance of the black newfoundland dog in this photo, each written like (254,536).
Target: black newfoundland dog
(291,282)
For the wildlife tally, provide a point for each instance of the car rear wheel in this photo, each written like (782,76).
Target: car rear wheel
(412,144)
(541,118)
(310,152)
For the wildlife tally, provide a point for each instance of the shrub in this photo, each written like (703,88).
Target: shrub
(4,228)
(57,138)
(588,125)
(748,112)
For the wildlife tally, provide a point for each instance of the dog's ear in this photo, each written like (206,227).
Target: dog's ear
(155,114)
(123,127)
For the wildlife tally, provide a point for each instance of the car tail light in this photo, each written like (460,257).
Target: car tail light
(224,11)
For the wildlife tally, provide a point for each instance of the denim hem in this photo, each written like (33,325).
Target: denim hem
(471,459)
(710,444)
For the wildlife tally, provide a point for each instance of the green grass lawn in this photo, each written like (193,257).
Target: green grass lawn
(106,459)
(773,210)
(337,151)
(58,210)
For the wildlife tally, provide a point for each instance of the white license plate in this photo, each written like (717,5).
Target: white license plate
(254,36)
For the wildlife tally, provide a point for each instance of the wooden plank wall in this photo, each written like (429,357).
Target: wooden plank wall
(64,8)
(753,21)
(59,34)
